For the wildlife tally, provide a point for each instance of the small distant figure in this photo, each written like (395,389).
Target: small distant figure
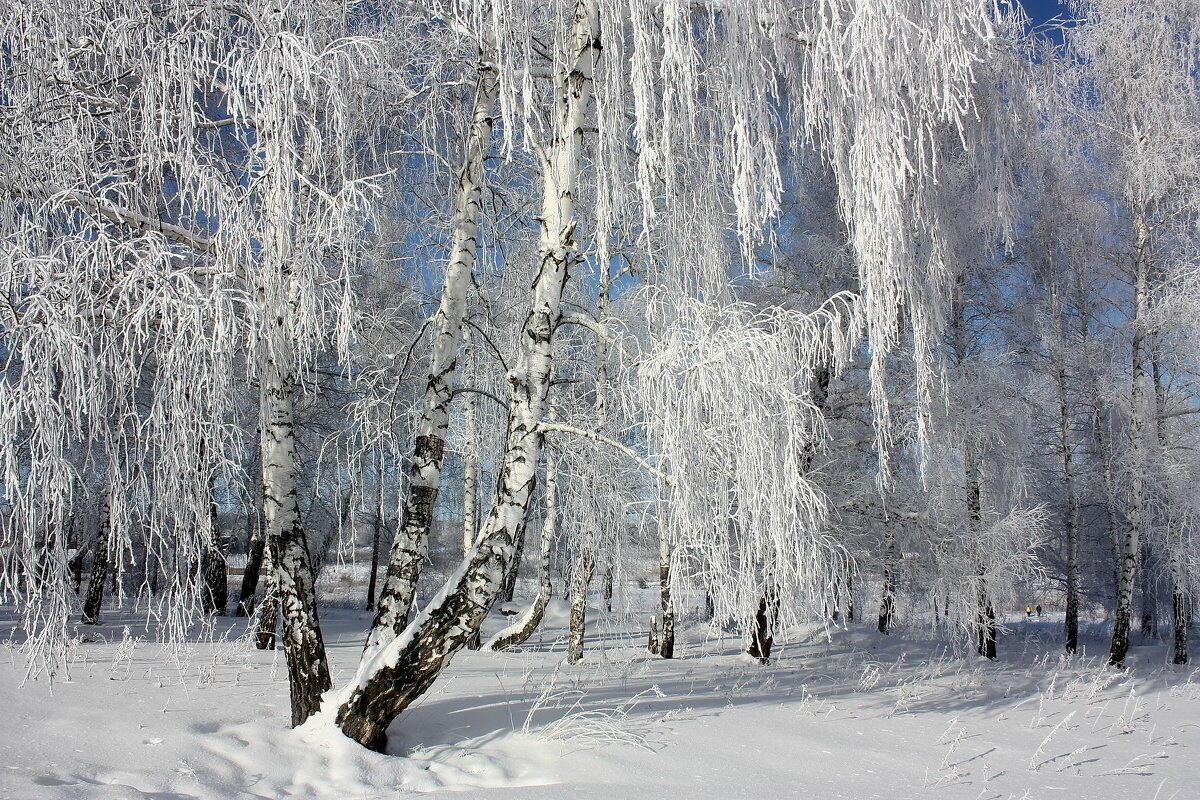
(1028,611)
(1039,610)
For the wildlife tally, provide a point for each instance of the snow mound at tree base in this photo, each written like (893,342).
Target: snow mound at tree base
(317,761)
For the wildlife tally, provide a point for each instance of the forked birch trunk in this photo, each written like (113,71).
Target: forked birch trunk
(519,632)
(392,676)
(411,544)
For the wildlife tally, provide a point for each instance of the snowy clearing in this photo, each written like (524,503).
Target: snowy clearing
(860,716)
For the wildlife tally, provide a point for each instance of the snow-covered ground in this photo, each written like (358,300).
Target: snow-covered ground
(860,716)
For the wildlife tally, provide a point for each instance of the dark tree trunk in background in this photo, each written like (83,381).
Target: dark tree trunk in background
(1149,621)
(887,602)
(254,564)
(95,592)
(579,593)
(376,532)
(1179,615)
(510,580)
(1132,544)
(215,592)
(666,641)
(75,565)
(256,538)
(268,610)
(763,636)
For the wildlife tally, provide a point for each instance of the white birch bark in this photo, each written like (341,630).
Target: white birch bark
(587,555)
(1133,531)
(394,675)
(519,632)
(411,544)
(308,670)
(470,461)
(1180,600)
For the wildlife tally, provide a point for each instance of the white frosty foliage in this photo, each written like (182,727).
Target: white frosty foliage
(728,413)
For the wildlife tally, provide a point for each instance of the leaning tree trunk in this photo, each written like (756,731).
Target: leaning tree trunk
(250,576)
(470,529)
(95,592)
(510,578)
(308,669)
(393,675)
(519,632)
(1133,533)
(411,544)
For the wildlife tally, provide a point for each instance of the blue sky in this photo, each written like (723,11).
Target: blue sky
(1042,10)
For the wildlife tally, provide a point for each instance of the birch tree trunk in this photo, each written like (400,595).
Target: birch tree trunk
(256,542)
(215,592)
(666,640)
(411,544)
(587,555)
(95,592)
(392,676)
(1112,518)
(887,604)
(268,611)
(986,619)
(376,531)
(1180,604)
(579,592)
(519,632)
(470,471)
(510,578)
(1179,595)
(762,637)
(1133,533)
(1071,513)
(470,462)
(308,669)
